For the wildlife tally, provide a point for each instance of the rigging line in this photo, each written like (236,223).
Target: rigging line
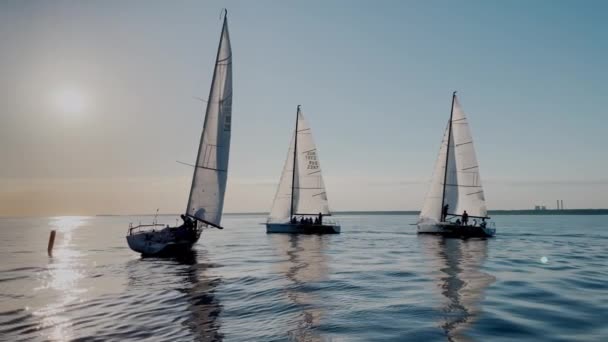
(328,214)
(464,186)
(461,119)
(304,130)
(205,221)
(447,152)
(224,59)
(313,149)
(319,194)
(295,159)
(470,168)
(224,99)
(312,173)
(202,167)
(475,193)
(464,143)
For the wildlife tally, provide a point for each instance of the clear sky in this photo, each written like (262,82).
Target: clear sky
(97,100)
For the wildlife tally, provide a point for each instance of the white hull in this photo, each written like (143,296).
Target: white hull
(298,228)
(450,229)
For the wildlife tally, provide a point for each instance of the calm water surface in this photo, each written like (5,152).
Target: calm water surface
(541,278)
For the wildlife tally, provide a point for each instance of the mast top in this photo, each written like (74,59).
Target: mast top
(224,12)
(454,93)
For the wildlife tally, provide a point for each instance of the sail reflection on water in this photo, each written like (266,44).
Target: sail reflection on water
(305,265)
(203,306)
(183,292)
(460,280)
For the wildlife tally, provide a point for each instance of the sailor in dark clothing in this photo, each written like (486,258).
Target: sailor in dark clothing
(465,218)
(321,218)
(187,220)
(444,212)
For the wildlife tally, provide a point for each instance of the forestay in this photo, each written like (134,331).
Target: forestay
(309,196)
(463,189)
(206,199)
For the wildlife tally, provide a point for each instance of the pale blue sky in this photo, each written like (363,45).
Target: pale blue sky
(374,79)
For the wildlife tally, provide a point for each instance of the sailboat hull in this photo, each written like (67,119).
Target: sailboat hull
(289,228)
(165,242)
(455,230)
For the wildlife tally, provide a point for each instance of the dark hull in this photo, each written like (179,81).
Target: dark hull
(288,228)
(170,241)
(457,231)
(173,250)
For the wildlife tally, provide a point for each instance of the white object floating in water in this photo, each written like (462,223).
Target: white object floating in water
(544,260)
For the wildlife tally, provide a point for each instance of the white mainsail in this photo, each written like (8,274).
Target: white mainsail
(206,199)
(305,190)
(462,189)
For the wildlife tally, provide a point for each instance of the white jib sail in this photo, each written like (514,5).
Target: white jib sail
(463,190)
(206,199)
(309,196)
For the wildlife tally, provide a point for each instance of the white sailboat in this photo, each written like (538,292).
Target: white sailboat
(206,199)
(455,204)
(300,204)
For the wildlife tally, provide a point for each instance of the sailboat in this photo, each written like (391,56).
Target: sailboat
(300,204)
(206,199)
(455,204)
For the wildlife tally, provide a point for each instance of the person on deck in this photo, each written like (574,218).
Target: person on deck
(465,218)
(321,218)
(294,220)
(302,220)
(444,212)
(483,222)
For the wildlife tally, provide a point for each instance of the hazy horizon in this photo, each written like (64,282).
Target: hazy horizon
(97,100)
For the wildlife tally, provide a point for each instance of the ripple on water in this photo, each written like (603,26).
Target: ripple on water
(378,281)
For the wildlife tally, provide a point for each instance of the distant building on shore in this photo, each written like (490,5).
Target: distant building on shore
(540,207)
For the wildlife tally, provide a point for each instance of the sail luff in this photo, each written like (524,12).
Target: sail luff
(295,153)
(205,201)
(447,156)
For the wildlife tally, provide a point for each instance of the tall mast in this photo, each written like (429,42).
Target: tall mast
(209,99)
(447,155)
(295,155)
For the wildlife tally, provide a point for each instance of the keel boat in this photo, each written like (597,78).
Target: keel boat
(455,204)
(300,205)
(206,199)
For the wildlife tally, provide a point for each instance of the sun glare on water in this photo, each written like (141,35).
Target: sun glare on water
(70,101)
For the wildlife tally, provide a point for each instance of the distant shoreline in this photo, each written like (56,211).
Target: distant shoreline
(416,212)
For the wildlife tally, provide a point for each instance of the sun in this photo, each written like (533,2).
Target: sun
(70,101)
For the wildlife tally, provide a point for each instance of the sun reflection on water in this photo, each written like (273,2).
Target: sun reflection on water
(60,280)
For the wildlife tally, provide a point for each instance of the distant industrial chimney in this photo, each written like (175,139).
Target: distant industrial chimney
(562,204)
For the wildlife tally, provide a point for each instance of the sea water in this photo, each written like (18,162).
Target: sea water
(540,278)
